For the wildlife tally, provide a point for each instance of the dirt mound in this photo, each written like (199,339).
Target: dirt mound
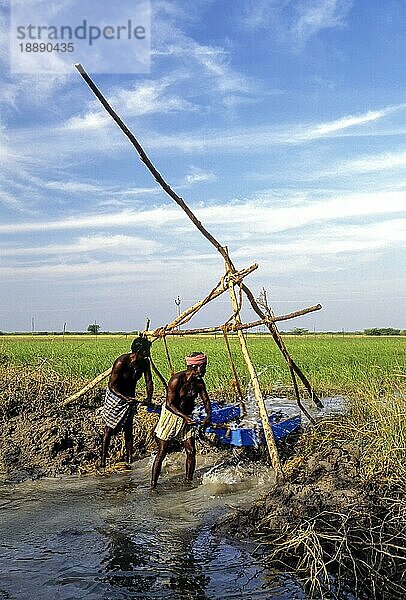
(319,484)
(325,525)
(41,438)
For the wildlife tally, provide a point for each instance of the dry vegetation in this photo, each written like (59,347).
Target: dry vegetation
(338,522)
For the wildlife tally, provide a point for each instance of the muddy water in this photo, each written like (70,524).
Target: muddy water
(108,538)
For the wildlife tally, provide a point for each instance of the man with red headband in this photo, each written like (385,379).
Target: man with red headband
(176,421)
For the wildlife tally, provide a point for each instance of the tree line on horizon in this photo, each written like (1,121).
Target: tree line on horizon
(94,329)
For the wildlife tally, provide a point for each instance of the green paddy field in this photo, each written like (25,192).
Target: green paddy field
(333,363)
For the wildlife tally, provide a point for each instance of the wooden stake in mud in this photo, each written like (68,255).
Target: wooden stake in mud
(270,441)
(168,356)
(270,314)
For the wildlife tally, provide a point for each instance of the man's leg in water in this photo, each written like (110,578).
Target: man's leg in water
(190,448)
(159,458)
(128,439)
(108,432)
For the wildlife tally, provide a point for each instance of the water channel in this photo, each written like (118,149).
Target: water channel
(112,538)
(109,538)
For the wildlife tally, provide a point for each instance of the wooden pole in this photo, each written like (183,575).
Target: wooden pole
(154,367)
(168,356)
(158,374)
(165,331)
(281,345)
(269,313)
(270,441)
(297,394)
(87,387)
(187,314)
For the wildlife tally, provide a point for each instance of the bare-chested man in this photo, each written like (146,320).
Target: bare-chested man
(120,404)
(176,421)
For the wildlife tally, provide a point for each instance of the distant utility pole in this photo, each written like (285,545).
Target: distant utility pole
(32,325)
(64,331)
(178,302)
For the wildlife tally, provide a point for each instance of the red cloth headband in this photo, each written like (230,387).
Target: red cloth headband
(200,359)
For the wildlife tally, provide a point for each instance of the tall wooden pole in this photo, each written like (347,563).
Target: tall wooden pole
(270,441)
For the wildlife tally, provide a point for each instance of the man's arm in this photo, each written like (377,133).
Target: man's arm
(173,385)
(207,404)
(116,371)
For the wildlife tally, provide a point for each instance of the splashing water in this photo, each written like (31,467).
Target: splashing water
(237,476)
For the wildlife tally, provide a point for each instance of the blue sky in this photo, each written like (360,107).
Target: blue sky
(281,122)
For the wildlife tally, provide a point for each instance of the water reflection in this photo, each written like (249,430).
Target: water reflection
(157,560)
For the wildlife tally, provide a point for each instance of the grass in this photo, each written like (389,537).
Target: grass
(376,422)
(333,364)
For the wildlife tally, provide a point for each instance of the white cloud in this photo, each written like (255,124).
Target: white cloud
(198,175)
(209,67)
(237,219)
(11,201)
(90,269)
(340,239)
(90,120)
(139,191)
(147,218)
(368,164)
(151,96)
(215,61)
(117,244)
(314,16)
(147,97)
(329,127)
(16,89)
(296,21)
(255,139)
(75,187)
(260,215)
(35,148)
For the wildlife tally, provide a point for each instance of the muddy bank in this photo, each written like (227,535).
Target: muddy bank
(41,438)
(328,524)
(313,485)
(35,445)
(329,528)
